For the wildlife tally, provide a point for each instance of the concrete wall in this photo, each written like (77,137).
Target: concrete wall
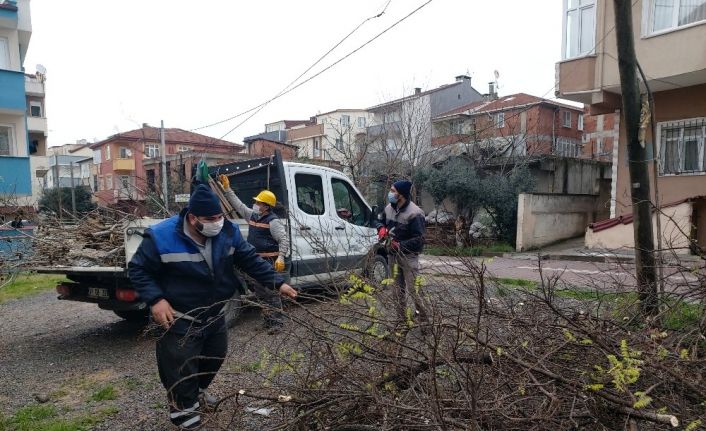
(543,219)
(676,228)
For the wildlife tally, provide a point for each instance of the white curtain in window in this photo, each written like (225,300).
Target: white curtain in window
(662,14)
(691,11)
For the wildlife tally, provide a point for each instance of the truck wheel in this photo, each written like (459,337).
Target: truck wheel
(378,269)
(232,310)
(139,316)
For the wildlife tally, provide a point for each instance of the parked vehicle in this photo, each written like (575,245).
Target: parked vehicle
(331,228)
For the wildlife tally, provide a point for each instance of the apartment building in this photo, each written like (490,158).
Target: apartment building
(15,33)
(669,40)
(129,164)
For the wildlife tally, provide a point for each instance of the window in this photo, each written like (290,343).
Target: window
(95,183)
(349,206)
(500,120)
(566,147)
(580,123)
(150,179)
(109,182)
(361,122)
(456,127)
(6,139)
(101,183)
(310,193)
(391,117)
(345,120)
(125,185)
(579,27)
(124,153)
(317,148)
(151,150)
(682,146)
(599,147)
(4,54)
(339,144)
(669,14)
(107,152)
(566,119)
(35,109)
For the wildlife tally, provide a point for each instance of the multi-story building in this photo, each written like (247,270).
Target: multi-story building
(516,125)
(129,163)
(669,40)
(64,164)
(332,135)
(401,129)
(15,33)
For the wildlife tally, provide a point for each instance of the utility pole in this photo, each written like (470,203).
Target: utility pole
(73,190)
(637,156)
(163,151)
(57,185)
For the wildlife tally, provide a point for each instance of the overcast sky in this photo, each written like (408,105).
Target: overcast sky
(113,65)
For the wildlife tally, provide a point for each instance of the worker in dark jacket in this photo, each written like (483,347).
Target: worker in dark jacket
(184,270)
(268,234)
(402,226)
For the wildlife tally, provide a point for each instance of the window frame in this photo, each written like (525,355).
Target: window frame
(701,149)
(352,196)
(345,120)
(580,125)
(316,148)
(297,180)
(361,121)
(127,153)
(565,40)
(566,115)
(11,139)
(36,104)
(153,152)
(648,16)
(499,120)
(109,185)
(107,153)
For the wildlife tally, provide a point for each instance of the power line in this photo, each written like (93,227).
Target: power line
(334,63)
(282,92)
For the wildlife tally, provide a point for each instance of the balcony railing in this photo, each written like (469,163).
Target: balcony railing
(124,164)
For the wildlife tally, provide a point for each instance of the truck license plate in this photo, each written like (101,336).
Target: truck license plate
(98,292)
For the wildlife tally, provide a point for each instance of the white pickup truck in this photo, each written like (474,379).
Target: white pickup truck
(330,224)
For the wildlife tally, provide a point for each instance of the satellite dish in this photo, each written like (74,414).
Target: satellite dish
(41,69)
(497,74)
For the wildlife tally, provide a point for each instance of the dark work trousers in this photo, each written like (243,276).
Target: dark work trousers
(271,299)
(405,270)
(188,363)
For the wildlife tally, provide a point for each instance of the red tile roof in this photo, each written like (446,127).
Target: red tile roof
(504,103)
(172,135)
(628,218)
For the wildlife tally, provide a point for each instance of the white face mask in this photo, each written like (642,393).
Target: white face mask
(256,209)
(210,229)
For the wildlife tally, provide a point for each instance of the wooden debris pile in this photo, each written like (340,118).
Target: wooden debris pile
(97,239)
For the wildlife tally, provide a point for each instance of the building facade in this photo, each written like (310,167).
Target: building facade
(517,125)
(669,40)
(15,33)
(129,164)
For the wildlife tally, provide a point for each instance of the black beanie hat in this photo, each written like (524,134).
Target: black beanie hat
(403,187)
(204,203)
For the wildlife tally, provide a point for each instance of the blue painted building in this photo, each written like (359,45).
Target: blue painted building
(15,33)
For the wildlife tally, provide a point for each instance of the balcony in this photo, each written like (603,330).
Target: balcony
(12,92)
(34,85)
(124,165)
(576,79)
(305,132)
(37,125)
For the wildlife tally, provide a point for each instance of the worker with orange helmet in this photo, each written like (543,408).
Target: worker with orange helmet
(268,234)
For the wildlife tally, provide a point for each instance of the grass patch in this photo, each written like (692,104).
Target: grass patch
(107,392)
(44,417)
(29,284)
(681,315)
(500,247)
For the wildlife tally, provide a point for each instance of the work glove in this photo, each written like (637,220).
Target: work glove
(382,233)
(279,264)
(225,182)
(395,245)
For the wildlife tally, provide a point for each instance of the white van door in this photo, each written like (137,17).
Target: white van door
(351,218)
(314,245)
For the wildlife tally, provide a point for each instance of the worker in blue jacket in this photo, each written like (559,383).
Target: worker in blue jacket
(184,270)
